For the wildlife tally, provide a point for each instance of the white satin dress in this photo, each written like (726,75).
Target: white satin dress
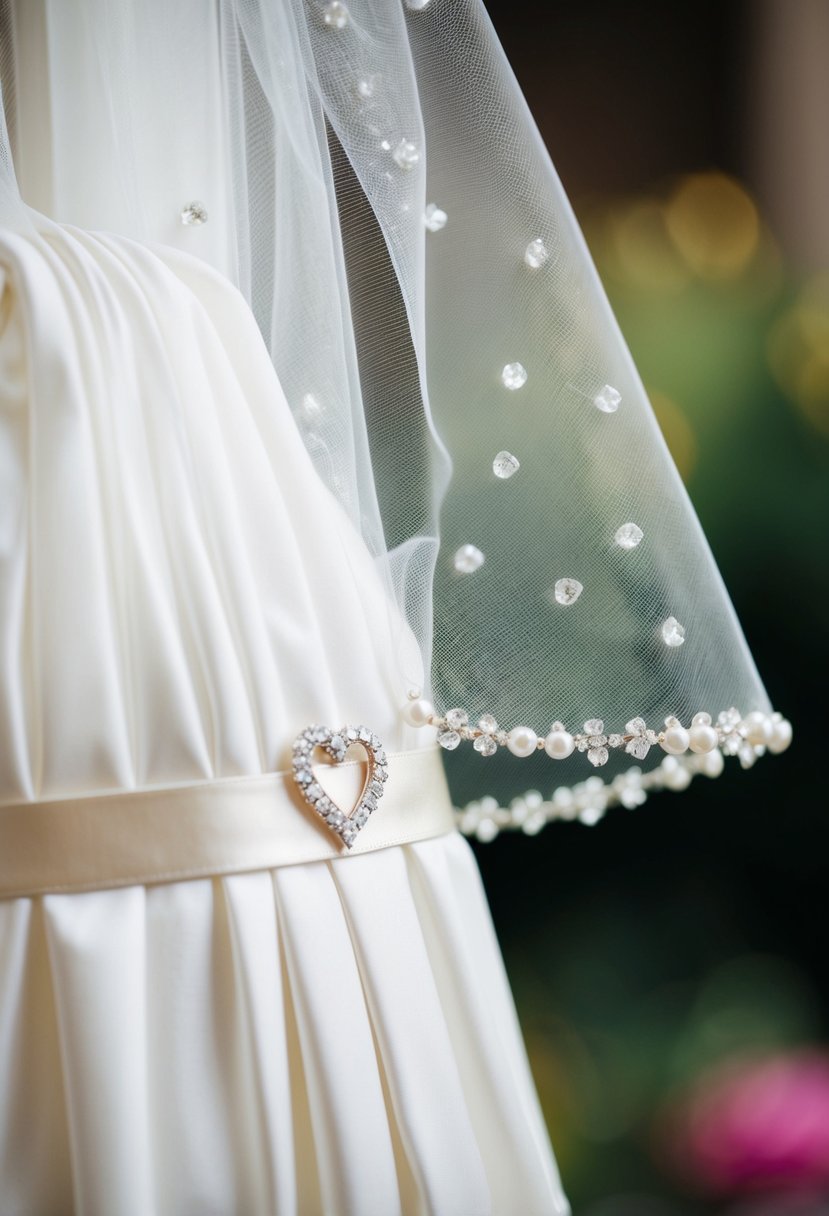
(175,588)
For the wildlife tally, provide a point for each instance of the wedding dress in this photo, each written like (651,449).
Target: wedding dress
(180,594)
(178,589)
(220,552)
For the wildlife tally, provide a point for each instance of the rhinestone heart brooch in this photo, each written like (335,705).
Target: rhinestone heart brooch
(335,744)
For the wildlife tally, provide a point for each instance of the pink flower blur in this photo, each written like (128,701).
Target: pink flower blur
(756,1124)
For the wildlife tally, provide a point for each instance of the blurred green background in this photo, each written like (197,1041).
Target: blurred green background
(671,964)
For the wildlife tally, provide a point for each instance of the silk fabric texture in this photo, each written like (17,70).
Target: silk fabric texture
(179,594)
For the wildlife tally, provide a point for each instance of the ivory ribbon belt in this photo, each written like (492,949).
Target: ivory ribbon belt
(169,833)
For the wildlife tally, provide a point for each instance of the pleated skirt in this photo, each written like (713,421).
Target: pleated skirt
(336,1037)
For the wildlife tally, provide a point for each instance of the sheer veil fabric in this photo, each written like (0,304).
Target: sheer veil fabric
(378,191)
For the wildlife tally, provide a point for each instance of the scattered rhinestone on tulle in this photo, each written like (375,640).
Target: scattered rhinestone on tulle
(434,217)
(608,399)
(514,375)
(567,590)
(194,215)
(628,536)
(406,154)
(505,465)
(468,559)
(336,15)
(310,407)
(535,255)
(673,634)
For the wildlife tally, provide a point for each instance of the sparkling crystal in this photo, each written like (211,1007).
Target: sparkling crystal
(536,254)
(310,408)
(567,590)
(366,87)
(457,719)
(468,559)
(598,756)
(628,536)
(434,218)
(615,740)
(194,214)
(638,747)
(449,739)
(417,5)
(487,724)
(314,791)
(514,375)
(336,15)
(364,734)
(505,464)
(406,154)
(636,726)
(608,399)
(729,719)
(673,634)
(486,745)
(594,726)
(731,744)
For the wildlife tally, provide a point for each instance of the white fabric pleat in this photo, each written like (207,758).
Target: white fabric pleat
(179,596)
(332,1038)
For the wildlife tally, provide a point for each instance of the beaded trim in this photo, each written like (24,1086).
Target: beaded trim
(588,801)
(732,734)
(747,737)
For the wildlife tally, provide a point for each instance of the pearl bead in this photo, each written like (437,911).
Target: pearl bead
(713,764)
(418,712)
(702,738)
(701,720)
(675,740)
(757,729)
(522,741)
(675,775)
(559,744)
(335,15)
(781,736)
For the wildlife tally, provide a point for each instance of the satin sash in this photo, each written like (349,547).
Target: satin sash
(169,833)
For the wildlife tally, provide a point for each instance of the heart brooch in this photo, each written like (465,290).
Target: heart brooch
(335,744)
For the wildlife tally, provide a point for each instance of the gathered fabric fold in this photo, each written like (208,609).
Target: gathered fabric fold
(330,1038)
